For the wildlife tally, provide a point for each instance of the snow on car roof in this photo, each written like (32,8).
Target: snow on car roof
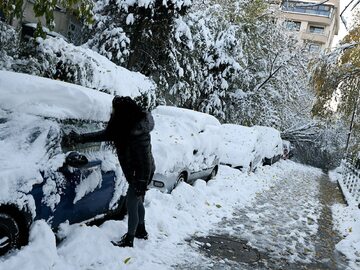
(50,98)
(191,115)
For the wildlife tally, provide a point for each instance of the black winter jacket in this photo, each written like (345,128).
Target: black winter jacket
(134,154)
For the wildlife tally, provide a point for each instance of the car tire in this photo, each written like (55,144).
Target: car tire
(213,173)
(181,178)
(9,233)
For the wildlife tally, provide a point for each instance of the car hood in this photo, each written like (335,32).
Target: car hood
(28,144)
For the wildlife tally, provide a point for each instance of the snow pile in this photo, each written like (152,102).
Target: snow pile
(347,222)
(184,138)
(171,218)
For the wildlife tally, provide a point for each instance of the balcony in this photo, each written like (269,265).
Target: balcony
(315,37)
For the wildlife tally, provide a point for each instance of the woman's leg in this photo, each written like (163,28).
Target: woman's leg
(141,211)
(133,205)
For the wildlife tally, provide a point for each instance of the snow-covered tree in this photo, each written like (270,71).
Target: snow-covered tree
(336,78)
(135,34)
(8,45)
(232,59)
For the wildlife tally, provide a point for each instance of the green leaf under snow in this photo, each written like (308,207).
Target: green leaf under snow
(127,260)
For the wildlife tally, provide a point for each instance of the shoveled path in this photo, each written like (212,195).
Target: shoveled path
(287,227)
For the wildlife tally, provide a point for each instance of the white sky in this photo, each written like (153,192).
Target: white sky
(347,16)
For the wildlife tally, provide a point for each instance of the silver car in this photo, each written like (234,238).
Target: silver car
(185,147)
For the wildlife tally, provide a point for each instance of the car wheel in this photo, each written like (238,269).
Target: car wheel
(181,178)
(9,233)
(213,173)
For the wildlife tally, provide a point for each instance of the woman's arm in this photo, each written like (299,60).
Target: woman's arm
(98,136)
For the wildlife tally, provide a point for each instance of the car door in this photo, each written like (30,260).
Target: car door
(88,192)
(77,191)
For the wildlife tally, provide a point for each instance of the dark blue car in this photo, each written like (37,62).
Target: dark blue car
(42,179)
(52,182)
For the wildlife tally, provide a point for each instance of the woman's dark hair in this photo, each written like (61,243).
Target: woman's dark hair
(126,114)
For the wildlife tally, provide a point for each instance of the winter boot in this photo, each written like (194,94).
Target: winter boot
(126,241)
(141,233)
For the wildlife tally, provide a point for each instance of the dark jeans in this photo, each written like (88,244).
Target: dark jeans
(136,210)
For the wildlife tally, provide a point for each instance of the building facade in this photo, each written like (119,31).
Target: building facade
(315,21)
(66,24)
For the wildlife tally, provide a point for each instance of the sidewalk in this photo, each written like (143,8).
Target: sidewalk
(287,227)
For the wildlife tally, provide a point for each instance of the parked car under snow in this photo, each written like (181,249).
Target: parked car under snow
(42,179)
(39,178)
(185,146)
(270,144)
(247,148)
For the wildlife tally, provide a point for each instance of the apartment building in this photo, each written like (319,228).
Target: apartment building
(315,21)
(66,24)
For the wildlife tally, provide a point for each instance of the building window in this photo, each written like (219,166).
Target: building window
(307,8)
(2,16)
(314,47)
(316,29)
(292,25)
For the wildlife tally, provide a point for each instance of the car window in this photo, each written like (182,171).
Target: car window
(82,126)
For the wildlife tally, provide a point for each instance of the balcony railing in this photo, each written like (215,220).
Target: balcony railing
(307,8)
(350,183)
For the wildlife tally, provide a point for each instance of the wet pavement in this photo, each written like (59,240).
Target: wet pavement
(287,227)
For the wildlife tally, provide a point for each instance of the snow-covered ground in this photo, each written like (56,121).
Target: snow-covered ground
(347,222)
(171,219)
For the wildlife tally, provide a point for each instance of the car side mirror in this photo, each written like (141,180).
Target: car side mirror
(75,159)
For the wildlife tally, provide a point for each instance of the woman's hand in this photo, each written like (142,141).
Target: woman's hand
(72,138)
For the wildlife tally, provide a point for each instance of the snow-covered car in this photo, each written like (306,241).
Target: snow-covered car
(270,144)
(287,150)
(185,146)
(39,178)
(239,147)
(247,148)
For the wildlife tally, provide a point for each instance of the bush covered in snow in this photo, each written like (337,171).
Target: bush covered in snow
(8,45)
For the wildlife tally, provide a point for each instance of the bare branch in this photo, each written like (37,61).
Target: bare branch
(342,13)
